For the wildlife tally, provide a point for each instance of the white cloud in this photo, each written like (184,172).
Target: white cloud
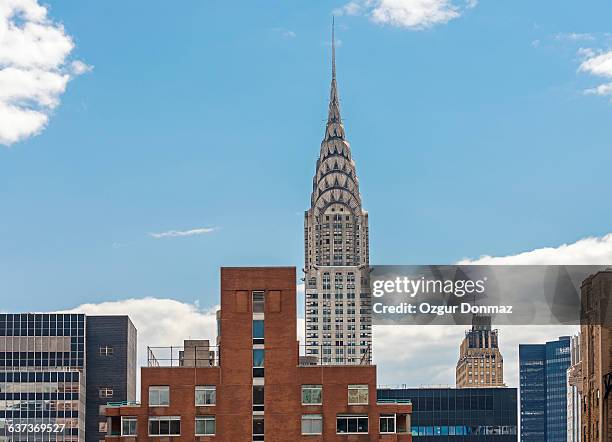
(598,64)
(591,251)
(575,36)
(410,14)
(181,233)
(34,69)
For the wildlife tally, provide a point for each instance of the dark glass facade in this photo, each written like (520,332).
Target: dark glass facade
(45,366)
(464,414)
(543,387)
(42,383)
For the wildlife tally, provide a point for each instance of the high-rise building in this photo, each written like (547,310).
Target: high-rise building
(596,351)
(256,387)
(459,414)
(480,361)
(574,391)
(338,302)
(44,368)
(543,390)
(110,349)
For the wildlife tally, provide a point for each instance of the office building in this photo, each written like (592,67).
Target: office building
(44,367)
(574,391)
(480,361)
(543,390)
(257,387)
(110,347)
(596,352)
(338,301)
(459,414)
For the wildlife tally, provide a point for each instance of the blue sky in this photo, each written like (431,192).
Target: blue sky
(471,137)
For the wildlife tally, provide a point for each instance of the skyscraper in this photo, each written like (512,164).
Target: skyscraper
(480,361)
(338,304)
(543,390)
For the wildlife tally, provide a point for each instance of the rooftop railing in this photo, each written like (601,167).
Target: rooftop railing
(188,357)
(122,404)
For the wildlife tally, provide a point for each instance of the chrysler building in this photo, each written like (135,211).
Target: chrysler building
(338,303)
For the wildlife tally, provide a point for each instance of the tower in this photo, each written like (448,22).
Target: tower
(338,304)
(480,361)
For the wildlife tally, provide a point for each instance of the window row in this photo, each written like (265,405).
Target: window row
(313,395)
(168,426)
(205,395)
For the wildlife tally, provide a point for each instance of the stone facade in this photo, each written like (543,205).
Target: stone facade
(338,302)
(596,351)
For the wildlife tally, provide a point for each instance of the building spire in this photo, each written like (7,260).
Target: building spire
(333,117)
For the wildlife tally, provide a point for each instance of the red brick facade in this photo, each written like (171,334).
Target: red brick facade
(283,378)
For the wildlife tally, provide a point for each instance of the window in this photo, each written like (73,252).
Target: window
(258,357)
(258,397)
(165,426)
(128,426)
(312,424)
(258,426)
(258,331)
(159,396)
(258,302)
(352,424)
(387,423)
(312,394)
(358,394)
(106,392)
(106,350)
(102,427)
(205,426)
(205,395)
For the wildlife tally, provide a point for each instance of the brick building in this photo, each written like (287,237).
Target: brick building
(257,387)
(596,352)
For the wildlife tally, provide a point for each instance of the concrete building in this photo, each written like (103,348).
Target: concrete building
(596,351)
(257,389)
(480,362)
(338,301)
(574,391)
(543,389)
(46,361)
(459,414)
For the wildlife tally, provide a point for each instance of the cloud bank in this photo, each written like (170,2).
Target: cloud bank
(409,14)
(34,68)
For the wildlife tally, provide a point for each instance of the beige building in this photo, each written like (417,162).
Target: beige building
(480,361)
(596,352)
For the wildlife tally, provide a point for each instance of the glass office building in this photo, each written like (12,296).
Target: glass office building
(42,383)
(459,415)
(543,387)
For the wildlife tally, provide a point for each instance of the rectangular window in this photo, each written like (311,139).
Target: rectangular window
(128,426)
(387,423)
(258,397)
(258,331)
(205,395)
(159,396)
(205,426)
(358,395)
(258,302)
(351,424)
(106,350)
(165,426)
(258,357)
(258,426)
(106,392)
(312,394)
(312,424)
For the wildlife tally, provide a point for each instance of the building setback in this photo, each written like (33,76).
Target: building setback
(480,361)
(257,387)
(596,352)
(543,387)
(463,414)
(44,368)
(338,301)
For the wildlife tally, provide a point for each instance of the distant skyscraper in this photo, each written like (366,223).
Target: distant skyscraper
(480,361)
(543,390)
(574,391)
(338,303)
